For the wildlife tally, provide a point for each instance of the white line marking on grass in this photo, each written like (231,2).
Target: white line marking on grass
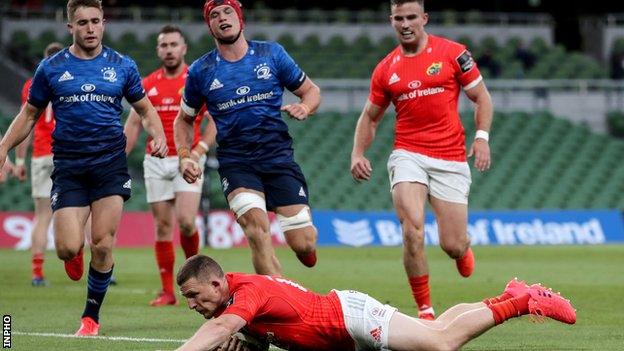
(110,338)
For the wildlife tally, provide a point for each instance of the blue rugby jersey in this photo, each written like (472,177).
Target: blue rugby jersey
(86,98)
(244,98)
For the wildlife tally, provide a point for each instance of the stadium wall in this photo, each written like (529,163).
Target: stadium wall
(343,228)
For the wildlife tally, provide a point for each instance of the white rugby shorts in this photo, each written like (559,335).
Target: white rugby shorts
(40,172)
(163,178)
(366,319)
(446,180)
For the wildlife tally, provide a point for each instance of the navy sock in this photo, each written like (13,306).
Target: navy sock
(97,285)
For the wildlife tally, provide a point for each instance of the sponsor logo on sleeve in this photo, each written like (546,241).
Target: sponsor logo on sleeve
(465,61)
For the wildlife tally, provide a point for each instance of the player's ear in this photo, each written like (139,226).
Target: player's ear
(425,18)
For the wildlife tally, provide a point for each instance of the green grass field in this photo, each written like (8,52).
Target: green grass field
(592,277)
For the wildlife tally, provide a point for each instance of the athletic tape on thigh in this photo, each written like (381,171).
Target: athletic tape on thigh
(243,202)
(300,220)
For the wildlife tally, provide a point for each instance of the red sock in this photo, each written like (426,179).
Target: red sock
(165,258)
(309,260)
(500,298)
(510,308)
(37,265)
(190,244)
(420,291)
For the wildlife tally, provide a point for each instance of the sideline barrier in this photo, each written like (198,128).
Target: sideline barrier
(344,228)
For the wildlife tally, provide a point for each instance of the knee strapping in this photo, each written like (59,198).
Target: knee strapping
(300,220)
(243,202)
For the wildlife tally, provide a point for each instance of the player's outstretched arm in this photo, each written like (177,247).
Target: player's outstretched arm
(365,129)
(484,111)
(183,136)
(153,126)
(214,333)
(18,130)
(310,95)
(132,129)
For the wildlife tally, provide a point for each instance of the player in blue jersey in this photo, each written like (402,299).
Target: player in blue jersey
(242,83)
(85,84)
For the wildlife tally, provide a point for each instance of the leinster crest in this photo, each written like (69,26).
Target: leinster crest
(109,74)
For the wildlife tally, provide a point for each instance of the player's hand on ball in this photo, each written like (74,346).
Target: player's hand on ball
(190,170)
(361,168)
(297,111)
(159,147)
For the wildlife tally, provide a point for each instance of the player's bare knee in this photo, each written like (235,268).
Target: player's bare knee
(412,226)
(302,241)
(66,252)
(413,235)
(163,225)
(187,226)
(102,244)
(454,249)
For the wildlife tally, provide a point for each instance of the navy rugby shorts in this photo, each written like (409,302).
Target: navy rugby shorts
(79,186)
(282,184)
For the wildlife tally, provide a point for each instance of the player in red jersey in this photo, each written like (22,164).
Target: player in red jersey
(167,193)
(283,313)
(41,170)
(423,77)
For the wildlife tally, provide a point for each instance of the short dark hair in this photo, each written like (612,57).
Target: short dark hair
(52,49)
(73,5)
(170,28)
(401,2)
(200,267)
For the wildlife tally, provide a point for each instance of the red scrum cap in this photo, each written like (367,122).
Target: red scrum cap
(210,5)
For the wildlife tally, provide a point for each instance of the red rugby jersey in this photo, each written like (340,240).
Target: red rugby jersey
(425,91)
(42,136)
(287,314)
(165,94)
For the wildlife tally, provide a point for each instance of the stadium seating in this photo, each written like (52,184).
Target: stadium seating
(539,161)
(338,58)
